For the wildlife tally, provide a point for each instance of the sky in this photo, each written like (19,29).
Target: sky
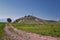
(45,9)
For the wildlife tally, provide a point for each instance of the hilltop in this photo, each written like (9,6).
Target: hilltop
(29,20)
(33,20)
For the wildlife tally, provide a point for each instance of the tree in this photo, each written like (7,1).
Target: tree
(9,20)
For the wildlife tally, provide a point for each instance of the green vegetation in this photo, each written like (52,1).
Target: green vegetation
(9,20)
(1,30)
(51,29)
(33,25)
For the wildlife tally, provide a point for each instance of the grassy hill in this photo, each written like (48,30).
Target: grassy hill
(29,20)
(36,25)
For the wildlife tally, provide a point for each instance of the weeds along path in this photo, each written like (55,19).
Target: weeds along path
(15,34)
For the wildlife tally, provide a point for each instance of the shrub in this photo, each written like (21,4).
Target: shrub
(9,20)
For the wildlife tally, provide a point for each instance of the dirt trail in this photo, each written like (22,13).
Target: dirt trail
(22,35)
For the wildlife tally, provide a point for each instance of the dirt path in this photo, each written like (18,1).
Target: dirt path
(22,35)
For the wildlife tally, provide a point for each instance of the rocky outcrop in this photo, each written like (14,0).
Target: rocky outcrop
(29,19)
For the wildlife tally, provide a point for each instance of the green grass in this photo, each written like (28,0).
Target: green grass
(1,30)
(45,29)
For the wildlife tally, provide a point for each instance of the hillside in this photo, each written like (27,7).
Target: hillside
(29,20)
(33,20)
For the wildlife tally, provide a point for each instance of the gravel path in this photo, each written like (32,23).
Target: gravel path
(22,35)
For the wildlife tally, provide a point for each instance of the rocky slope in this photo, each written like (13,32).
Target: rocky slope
(29,20)
(33,20)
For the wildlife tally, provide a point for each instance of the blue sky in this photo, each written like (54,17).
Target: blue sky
(45,9)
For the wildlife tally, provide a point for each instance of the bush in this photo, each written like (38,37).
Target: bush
(9,20)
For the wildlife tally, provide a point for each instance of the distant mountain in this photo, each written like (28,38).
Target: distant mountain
(2,20)
(51,21)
